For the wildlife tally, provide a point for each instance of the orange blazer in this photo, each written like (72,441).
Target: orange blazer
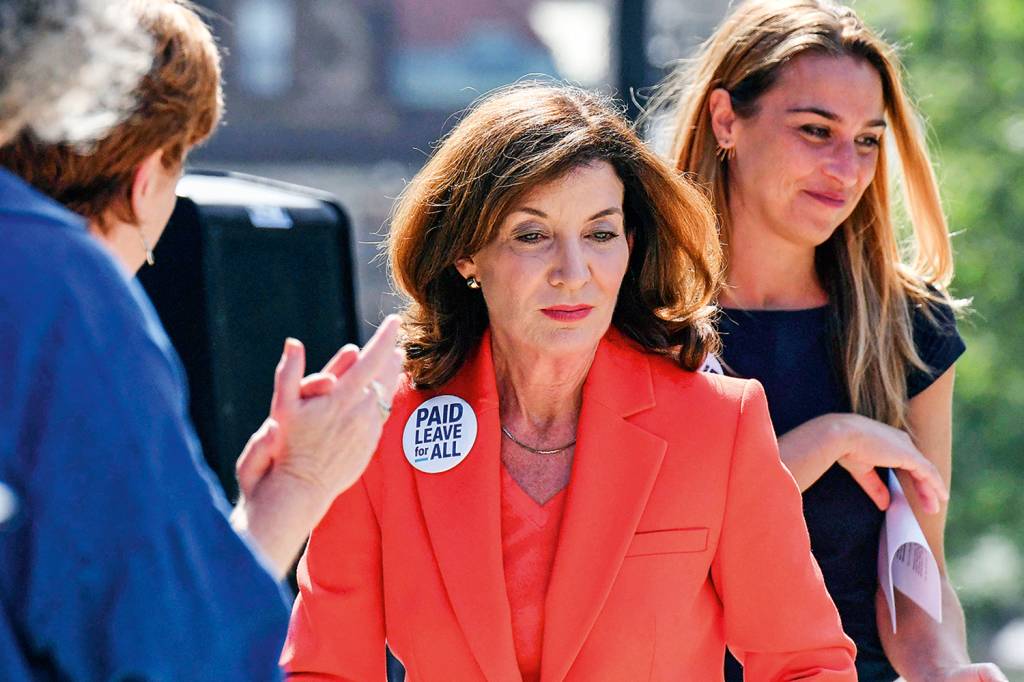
(682,533)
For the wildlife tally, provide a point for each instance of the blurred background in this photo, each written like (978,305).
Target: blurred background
(347,96)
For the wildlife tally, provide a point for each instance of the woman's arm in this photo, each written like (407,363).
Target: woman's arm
(337,625)
(860,444)
(922,649)
(779,620)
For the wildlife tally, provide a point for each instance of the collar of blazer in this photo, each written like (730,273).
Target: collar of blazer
(614,469)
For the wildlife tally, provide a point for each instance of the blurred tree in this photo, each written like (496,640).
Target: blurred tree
(964,61)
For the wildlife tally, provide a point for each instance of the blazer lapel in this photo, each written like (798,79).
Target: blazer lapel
(615,466)
(462,511)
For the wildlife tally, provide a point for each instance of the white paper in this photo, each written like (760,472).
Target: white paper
(904,559)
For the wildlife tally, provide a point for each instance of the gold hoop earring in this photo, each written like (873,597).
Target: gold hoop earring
(472,283)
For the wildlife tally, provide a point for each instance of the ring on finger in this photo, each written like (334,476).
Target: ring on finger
(382,405)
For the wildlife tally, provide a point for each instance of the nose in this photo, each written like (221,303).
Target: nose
(842,164)
(571,269)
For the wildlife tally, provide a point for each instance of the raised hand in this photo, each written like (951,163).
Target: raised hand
(329,438)
(321,433)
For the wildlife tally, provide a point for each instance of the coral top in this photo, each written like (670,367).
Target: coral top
(682,532)
(529,538)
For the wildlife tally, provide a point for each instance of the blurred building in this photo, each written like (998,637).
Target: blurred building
(348,95)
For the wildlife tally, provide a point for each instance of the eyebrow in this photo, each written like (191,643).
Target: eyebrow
(612,210)
(832,116)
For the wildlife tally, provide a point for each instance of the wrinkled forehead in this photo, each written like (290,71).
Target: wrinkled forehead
(579,187)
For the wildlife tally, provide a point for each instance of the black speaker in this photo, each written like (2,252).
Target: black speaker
(244,263)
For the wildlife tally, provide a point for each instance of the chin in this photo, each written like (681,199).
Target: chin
(566,340)
(814,228)
(815,233)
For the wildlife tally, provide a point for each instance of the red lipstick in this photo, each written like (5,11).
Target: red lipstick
(567,313)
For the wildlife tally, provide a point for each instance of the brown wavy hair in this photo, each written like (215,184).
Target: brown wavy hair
(179,103)
(872,279)
(507,143)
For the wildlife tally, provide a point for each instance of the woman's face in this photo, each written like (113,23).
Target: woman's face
(551,276)
(804,159)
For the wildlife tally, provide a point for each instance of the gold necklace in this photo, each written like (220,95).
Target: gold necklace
(536,451)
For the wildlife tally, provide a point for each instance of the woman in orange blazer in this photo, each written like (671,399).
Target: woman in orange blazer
(558,495)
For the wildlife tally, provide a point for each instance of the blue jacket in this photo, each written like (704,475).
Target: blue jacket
(117,560)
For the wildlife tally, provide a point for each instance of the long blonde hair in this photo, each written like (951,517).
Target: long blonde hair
(871,284)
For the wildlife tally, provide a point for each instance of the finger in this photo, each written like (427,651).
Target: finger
(342,360)
(989,672)
(875,488)
(288,376)
(316,385)
(930,473)
(375,356)
(390,374)
(386,335)
(258,455)
(929,484)
(928,496)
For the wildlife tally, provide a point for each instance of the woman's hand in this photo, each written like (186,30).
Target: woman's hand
(329,439)
(975,672)
(321,433)
(869,444)
(266,444)
(860,444)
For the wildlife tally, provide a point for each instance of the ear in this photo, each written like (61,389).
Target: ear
(144,183)
(466,267)
(723,117)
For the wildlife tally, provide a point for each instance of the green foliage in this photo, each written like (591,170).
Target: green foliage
(965,63)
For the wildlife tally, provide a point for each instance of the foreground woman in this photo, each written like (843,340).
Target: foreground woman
(117,558)
(558,495)
(784,116)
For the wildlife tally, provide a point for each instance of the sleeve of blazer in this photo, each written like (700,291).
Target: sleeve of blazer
(779,620)
(337,624)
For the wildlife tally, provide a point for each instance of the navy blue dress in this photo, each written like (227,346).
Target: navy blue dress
(790,354)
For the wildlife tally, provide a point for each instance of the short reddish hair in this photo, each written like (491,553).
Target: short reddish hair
(179,104)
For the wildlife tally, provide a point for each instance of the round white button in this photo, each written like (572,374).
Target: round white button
(439,434)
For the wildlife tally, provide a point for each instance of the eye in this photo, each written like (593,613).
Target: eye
(817,132)
(869,141)
(603,235)
(529,237)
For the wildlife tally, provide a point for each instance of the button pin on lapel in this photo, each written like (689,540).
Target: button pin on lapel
(439,434)
(712,365)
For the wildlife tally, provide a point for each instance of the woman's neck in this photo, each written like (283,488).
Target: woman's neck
(767,272)
(539,394)
(123,242)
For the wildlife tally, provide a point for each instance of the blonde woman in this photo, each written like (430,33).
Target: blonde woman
(787,116)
